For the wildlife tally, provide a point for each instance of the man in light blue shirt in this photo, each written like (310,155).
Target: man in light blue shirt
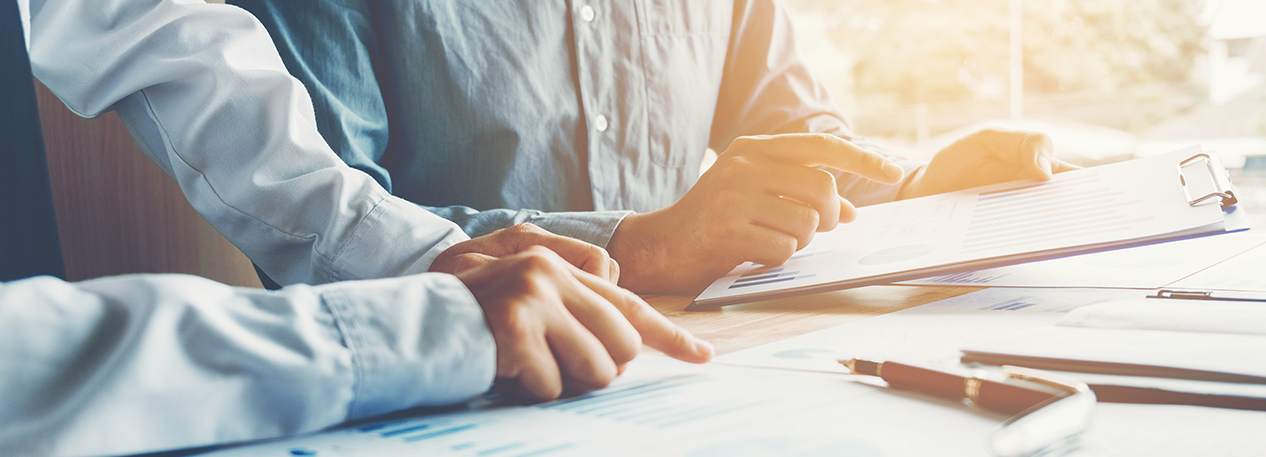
(146,363)
(573,114)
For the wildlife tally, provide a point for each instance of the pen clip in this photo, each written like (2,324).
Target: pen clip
(1064,384)
(1182,294)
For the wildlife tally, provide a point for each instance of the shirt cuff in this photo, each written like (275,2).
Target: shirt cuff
(397,238)
(594,227)
(415,341)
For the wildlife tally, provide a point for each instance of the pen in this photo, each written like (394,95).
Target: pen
(1003,396)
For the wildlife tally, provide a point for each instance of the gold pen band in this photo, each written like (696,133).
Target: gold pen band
(971,387)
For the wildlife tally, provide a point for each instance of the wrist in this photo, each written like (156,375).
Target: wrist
(638,251)
(910,188)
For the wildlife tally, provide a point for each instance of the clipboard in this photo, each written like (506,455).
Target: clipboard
(1181,194)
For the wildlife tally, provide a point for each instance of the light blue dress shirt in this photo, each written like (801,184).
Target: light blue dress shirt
(145,363)
(550,105)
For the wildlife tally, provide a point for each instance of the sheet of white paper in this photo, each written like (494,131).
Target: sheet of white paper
(1144,267)
(666,408)
(935,331)
(1180,431)
(1206,316)
(1244,272)
(1113,205)
(1223,353)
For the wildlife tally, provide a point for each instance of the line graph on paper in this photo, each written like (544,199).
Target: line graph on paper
(1048,213)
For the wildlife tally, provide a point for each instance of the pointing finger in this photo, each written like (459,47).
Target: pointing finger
(812,149)
(656,330)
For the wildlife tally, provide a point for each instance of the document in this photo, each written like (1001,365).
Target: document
(1196,316)
(1124,204)
(1183,355)
(1199,263)
(1244,272)
(929,333)
(662,407)
(935,332)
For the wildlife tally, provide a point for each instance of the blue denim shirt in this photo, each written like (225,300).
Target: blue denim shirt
(567,114)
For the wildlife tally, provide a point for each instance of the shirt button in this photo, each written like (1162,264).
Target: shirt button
(586,13)
(600,123)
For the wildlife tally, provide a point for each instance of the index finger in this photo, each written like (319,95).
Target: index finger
(819,149)
(590,258)
(656,330)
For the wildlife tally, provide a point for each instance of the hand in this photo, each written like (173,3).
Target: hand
(986,157)
(761,201)
(560,329)
(508,241)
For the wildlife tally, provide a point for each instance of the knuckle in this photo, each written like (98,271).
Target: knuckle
(598,253)
(626,351)
(786,248)
(823,180)
(548,392)
(538,256)
(524,227)
(1041,140)
(598,373)
(736,165)
(809,221)
(742,142)
(804,240)
(823,139)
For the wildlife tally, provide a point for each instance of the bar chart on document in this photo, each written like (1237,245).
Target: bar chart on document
(1118,205)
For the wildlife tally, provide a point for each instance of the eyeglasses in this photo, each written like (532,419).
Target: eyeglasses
(1051,428)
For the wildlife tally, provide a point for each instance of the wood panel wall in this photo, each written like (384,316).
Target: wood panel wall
(118,212)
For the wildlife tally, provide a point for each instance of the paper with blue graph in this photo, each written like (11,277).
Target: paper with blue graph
(1144,201)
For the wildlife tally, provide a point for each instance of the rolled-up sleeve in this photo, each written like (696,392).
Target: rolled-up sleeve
(205,94)
(145,363)
(768,88)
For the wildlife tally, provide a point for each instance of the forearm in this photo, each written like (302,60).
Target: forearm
(145,363)
(205,95)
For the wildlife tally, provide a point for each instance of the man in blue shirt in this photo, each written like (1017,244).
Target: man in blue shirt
(144,363)
(573,114)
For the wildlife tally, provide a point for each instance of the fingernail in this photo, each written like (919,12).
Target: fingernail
(892,170)
(1044,163)
(703,347)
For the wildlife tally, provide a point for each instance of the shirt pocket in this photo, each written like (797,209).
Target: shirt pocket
(684,44)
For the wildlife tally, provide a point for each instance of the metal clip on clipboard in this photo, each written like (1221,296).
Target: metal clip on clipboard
(1218,173)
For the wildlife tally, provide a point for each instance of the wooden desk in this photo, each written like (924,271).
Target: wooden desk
(751,324)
